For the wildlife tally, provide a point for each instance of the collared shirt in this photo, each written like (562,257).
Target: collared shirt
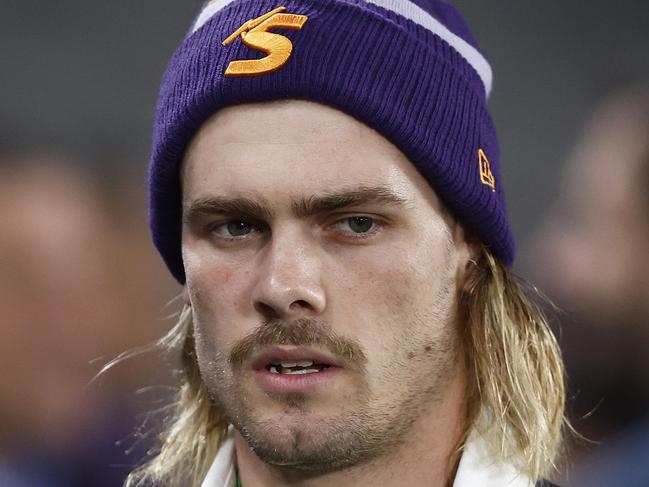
(476,469)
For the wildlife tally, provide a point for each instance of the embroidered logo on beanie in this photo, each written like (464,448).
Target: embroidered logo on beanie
(486,176)
(254,34)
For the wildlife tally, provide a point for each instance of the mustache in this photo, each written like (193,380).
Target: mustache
(298,332)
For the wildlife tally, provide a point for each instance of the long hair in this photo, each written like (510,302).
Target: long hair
(515,388)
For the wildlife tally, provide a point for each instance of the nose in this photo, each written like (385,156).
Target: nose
(289,280)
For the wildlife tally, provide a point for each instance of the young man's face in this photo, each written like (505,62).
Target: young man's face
(323,273)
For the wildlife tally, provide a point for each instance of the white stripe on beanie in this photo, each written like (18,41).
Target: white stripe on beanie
(410,11)
(209,11)
(418,15)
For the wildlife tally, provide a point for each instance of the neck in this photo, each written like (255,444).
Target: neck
(426,457)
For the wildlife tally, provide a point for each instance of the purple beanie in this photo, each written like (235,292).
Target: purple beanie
(410,69)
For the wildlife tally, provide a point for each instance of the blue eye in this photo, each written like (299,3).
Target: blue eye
(239,228)
(360,224)
(235,229)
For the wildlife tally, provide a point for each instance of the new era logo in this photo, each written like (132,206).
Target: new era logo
(254,34)
(486,176)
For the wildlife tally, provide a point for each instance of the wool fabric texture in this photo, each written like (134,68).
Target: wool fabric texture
(364,58)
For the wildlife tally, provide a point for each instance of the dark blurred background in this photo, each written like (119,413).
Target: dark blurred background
(79,279)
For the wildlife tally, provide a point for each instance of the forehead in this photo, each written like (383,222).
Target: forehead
(296,147)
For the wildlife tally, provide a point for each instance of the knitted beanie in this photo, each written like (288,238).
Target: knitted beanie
(410,69)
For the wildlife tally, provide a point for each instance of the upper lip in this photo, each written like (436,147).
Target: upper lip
(292,354)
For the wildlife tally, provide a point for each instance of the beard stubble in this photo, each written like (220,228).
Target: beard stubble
(364,428)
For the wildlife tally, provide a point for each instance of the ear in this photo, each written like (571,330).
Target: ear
(468,249)
(186,299)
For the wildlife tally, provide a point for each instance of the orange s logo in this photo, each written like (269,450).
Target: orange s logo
(254,35)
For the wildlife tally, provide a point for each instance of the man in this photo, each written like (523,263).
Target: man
(325,185)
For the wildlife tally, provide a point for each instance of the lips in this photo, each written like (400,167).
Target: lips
(294,370)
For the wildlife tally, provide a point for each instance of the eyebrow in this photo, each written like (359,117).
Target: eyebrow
(215,205)
(363,195)
(302,208)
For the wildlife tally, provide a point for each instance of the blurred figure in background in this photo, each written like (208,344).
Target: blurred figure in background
(77,283)
(591,256)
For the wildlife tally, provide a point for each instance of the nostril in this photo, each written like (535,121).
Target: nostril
(300,303)
(266,310)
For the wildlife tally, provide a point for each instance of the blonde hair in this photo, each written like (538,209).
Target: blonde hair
(516,380)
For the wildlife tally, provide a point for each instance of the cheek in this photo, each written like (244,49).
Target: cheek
(404,296)
(376,302)
(400,280)
(218,294)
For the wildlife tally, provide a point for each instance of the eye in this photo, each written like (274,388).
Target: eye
(235,229)
(358,226)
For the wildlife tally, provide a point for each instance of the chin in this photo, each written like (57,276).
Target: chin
(300,440)
(301,448)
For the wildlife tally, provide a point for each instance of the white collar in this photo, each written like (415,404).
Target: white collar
(223,473)
(476,469)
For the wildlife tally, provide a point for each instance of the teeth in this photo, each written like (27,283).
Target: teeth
(299,371)
(288,364)
(274,369)
(298,363)
(301,363)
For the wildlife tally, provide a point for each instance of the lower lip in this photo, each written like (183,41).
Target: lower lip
(286,383)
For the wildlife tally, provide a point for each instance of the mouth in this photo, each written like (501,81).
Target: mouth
(293,360)
(294,369)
